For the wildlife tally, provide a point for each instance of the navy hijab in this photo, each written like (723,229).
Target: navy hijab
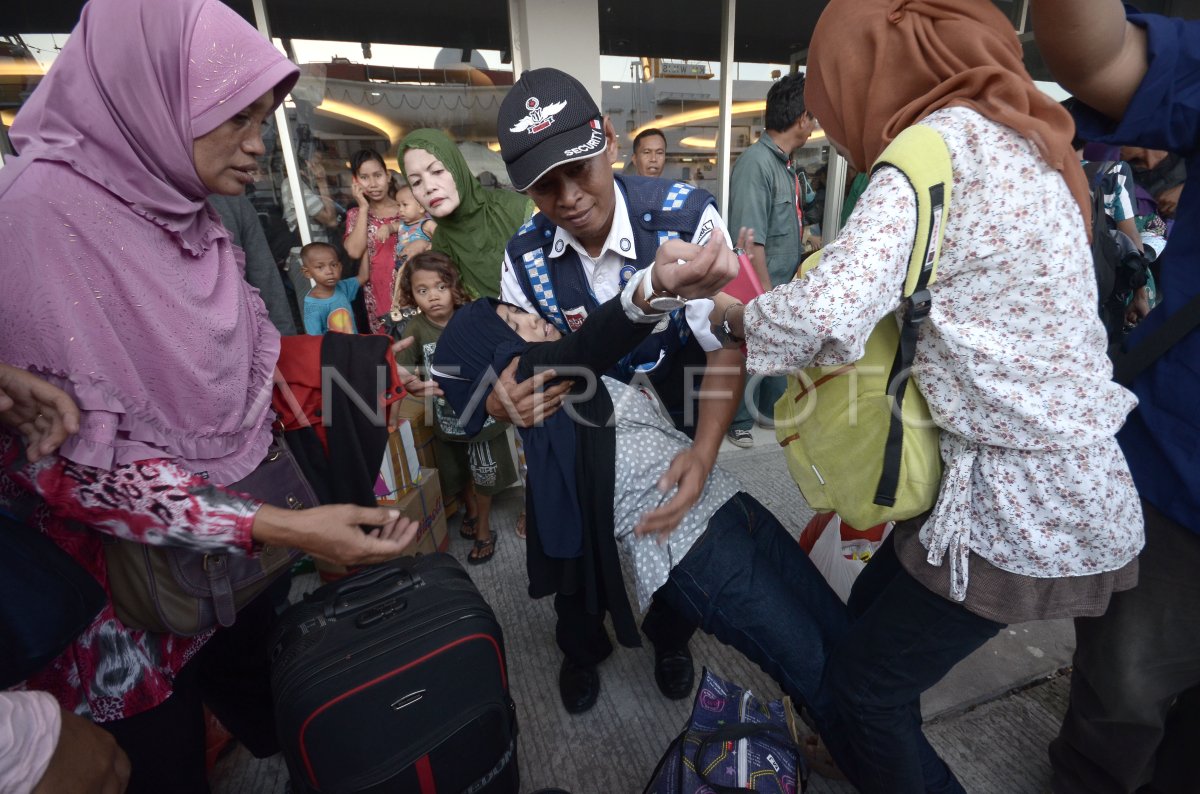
(471,352)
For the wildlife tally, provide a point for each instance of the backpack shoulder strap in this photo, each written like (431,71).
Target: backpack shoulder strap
(921,155)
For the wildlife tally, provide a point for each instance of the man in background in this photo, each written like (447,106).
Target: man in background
(764,195)
(1133,718)
(650,152)
(241,219)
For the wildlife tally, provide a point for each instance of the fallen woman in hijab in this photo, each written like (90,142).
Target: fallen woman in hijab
(728,566)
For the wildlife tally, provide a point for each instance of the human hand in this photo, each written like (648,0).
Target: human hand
(1168,200)
(745,239)
(1138,308)
(411,381)
(693,271)
(689,471)
(333,532)
(86,760)
(359,194)
(527,403)
(413,248)
(45,415)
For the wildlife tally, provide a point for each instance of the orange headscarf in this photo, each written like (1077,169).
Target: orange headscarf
(876,67)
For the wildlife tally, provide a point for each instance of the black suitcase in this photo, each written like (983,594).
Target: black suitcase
(394,680)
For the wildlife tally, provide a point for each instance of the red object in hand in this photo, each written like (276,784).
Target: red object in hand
(745,286)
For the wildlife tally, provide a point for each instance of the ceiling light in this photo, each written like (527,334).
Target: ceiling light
(348,112)
(702,114)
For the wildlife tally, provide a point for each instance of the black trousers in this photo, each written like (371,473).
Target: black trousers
(230,675)
(1133,719)
(583,639)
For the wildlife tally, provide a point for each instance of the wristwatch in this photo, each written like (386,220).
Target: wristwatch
(659,301)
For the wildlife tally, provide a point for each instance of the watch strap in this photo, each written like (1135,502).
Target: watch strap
(656,300)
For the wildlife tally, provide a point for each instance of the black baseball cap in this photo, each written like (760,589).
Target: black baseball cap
(548,118)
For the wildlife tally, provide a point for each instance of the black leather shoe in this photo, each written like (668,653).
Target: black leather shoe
(579,686)
(673,672)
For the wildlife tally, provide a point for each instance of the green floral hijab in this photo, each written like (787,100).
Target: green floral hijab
(475,235)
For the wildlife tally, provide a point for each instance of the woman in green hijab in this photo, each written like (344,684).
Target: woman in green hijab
(474,223)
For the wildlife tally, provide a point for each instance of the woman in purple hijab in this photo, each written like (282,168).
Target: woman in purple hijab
(124,290)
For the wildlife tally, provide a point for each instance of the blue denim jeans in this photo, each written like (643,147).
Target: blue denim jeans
(747,582)
(904,640)
(761,393)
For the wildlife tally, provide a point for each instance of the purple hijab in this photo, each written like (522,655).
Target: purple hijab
(122,286)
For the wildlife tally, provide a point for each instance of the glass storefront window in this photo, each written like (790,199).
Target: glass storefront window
(681,99)
(24,59)
(353,96)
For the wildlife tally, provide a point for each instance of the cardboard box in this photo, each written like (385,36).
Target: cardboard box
(400,470)
(424,504)
(414,409)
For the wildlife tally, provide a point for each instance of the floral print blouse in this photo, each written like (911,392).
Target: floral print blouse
(111,672)
(1011,360)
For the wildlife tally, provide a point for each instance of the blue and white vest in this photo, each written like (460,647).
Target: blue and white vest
(659,210)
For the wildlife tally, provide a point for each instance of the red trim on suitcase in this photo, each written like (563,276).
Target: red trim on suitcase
(312,777)
(425,775)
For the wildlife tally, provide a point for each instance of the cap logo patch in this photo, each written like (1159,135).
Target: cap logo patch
(539,118)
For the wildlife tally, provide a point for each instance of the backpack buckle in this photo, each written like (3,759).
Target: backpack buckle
(917,307)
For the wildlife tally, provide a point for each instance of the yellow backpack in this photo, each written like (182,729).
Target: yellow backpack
(853,445)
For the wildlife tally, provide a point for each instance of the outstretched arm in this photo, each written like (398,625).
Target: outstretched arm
(679,268)
(1092,50)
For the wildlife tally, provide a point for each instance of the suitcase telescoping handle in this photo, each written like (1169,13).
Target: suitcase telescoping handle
(368,587)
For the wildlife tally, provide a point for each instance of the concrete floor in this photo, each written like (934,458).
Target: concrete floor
(990,718)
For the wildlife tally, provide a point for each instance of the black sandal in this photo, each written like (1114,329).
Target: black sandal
(468,528)
(482,551)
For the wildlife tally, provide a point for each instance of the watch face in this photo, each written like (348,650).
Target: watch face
(667,303)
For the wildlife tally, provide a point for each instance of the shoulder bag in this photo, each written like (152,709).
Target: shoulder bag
(186,592)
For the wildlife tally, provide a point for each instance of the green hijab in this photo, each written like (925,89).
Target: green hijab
(475,234)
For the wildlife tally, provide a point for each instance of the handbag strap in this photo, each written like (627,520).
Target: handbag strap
(677,742)
(1130,364)
(732,733)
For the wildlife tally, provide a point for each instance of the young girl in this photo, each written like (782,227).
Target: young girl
(371,228)
(477,466)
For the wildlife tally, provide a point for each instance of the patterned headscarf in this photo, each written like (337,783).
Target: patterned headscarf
(475,234)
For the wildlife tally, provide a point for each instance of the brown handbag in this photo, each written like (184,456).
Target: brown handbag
(187,592)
